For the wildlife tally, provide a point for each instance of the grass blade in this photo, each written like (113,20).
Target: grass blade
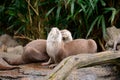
(72,8)
(50,11)
(58,12)
(103,26)
(91,27)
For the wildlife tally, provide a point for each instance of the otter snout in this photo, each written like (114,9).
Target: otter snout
(55,31)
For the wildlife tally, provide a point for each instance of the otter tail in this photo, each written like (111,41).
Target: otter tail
(5,66)
(17,60)
(92,45)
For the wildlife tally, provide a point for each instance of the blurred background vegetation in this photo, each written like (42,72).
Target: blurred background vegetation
(33,19)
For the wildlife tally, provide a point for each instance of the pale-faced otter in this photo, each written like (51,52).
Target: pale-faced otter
(66,35)
(35,51)
(58,50)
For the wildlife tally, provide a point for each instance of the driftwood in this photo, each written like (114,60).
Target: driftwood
(61,71)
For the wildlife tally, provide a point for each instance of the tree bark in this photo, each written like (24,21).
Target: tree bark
(61,71)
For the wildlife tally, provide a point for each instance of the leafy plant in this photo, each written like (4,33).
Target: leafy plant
(34,18)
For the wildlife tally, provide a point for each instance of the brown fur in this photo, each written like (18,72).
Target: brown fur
(3,48)
(6,41)
(5,66)
(11,53)
(112,38)
(33,52)
(57,50)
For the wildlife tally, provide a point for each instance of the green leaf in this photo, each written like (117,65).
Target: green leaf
(76,13)
(99,21)
(91,27)
(114,12)
(10,18)
(72,8)
(91,2)
(68,2)
(11,13)
(58,12)
(89,13)
(102,2)
(83,7)
(103,26)
(50,11)
(68,17)
(106,10)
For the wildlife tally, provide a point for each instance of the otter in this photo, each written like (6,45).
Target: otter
(35,51)
(3,47)
(8,40)
(112,38)
(66,35)
(58,50)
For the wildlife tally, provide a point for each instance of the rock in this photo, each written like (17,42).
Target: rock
(101,72)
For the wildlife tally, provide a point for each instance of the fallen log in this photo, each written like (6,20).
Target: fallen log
(61,71)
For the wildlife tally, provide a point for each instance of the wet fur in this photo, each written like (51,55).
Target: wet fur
(66,35)
(58,50)
(34,51)
(8,40)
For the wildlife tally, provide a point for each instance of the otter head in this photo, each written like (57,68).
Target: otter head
(54,35)
(66,35)
(4,38)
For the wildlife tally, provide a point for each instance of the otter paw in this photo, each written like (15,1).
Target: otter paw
(52,65)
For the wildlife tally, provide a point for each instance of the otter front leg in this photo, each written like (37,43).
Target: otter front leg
(115,45)
(53,65)
(47,63)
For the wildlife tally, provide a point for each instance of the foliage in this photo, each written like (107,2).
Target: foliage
(83,16)
(35,17)
(22,17)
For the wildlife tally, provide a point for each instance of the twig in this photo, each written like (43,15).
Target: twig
(32,7)
(29,13)
(23,37)
(101,44)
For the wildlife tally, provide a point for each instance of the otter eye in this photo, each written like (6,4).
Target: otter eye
(63,38)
